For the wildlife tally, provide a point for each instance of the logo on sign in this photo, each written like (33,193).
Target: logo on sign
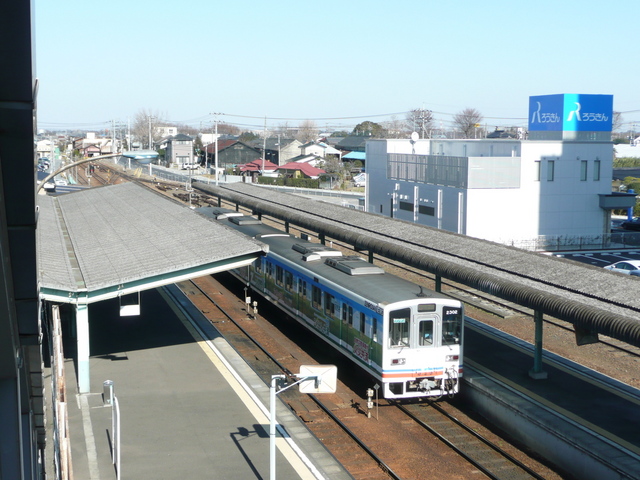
(544,117)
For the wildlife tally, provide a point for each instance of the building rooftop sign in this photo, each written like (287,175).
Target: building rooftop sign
(570,113)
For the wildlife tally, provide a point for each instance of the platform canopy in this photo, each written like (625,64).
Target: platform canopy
(104,242)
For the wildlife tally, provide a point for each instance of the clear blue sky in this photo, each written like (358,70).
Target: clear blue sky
(331,61)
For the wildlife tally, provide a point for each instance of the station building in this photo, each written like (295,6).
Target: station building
(557,182)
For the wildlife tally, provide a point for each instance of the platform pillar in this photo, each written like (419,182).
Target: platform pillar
(536,372)
(82,332)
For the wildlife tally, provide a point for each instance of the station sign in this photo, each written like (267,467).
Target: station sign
(572,112)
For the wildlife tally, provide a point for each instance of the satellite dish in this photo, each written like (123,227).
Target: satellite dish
(415,137)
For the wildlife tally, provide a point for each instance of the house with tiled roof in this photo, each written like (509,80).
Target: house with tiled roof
(300,170)
(231,152)
(320,149)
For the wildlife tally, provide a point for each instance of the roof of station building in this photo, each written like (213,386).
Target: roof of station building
(107,241)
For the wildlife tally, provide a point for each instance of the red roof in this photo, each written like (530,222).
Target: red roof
(305,168)
(258,165)
(222,144)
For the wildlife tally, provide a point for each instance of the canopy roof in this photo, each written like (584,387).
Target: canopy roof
(103,242)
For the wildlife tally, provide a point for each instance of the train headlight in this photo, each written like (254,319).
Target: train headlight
(451,358)
(398,361)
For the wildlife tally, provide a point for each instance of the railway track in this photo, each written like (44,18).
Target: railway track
(495,462)
(342,425)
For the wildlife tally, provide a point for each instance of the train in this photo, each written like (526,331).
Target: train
(408,338)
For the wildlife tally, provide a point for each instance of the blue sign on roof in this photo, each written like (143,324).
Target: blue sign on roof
(571,113)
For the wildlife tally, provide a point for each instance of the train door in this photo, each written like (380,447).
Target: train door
(425,334)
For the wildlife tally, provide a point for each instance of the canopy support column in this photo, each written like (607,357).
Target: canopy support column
(536,372)
(82,332)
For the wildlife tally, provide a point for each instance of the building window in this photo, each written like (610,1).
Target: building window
(426,210)
(596,170)
(538,170)
(551,170)
(406,206)
(583,170)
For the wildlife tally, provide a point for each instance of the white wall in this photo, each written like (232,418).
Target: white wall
(520,210)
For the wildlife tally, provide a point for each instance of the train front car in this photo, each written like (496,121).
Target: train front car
(422,347)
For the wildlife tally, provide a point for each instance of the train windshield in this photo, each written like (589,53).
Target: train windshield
(451,325)
(399,327)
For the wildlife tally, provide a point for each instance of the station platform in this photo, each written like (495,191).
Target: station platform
(190,408)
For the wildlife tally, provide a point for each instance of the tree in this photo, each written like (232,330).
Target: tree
(369,129)
(616,121)
(467,121)
(248,137)
(307,131)
(228,129)
(421,121)
(283,130)
(340,133)
(396,128)
(146,125)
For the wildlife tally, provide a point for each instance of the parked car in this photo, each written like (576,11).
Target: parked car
(629,267)
(633,224)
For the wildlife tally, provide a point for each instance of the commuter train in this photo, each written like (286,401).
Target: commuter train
(406,337)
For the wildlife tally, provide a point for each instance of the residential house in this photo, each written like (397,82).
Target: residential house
(257,168)
(319,149)
(91,145)
(300,170)
(231,153)
(179,150)
(353,143)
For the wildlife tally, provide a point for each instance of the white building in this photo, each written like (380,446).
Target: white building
(556,183)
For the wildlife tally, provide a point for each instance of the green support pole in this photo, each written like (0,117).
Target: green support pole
(286,226)
(537,372)
(438,283)
(370,256)
(322,239)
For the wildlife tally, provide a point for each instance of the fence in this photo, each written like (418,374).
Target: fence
(555,243)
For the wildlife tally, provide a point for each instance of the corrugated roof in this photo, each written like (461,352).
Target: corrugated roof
(111,237)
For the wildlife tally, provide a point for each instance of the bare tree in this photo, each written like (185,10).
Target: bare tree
(467,121)
(396,128)
(616,122)
(145,127)
(421,121)
(307,131)
(283,129)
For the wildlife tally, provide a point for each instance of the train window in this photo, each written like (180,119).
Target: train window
(362,321)
(316,294)
(302,286)
(279,275)
(344,312)
(374,330)
(451,325)
(351,316)
(258,265)
(399,327)
(288,281)
(425,333)
(329,307)
(270,269)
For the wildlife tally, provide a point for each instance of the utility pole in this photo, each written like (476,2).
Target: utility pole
(215,152)
(264,144)
(150,137)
